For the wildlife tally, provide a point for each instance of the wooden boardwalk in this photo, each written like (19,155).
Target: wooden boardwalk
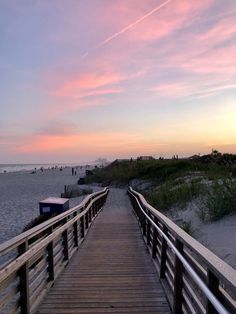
(112,272)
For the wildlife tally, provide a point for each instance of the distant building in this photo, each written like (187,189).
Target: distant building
(145,158)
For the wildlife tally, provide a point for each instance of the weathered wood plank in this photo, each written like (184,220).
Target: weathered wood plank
(112,272)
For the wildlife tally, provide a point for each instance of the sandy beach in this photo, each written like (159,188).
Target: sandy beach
(21,193)
(218,236)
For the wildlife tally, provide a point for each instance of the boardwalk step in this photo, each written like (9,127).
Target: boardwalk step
(112,271)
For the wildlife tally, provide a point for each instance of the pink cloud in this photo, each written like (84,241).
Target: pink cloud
(92,143)
(169,18)
(172,89)
(221,31)
(218,61)
(86,83)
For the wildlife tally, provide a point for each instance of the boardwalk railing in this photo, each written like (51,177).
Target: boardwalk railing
(194,279)
(42,253)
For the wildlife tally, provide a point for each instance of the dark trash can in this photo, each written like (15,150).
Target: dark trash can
(53,205)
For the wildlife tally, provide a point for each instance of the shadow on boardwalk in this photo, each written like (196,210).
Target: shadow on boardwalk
(112,271)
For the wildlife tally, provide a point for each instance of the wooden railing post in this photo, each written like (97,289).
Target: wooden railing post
(213,285)
(93,209)
(148,231)
(163,254)
(100,204)
(178,281)
(75,230)
(65,242)
(23,274)
(143,223)
(137,210)
(82,225)
(86,221)
(50,258)
(154,240)
(90,213)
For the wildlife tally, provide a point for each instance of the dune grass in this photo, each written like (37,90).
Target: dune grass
(168,194)
(220,200)
(158,171)
(178,181)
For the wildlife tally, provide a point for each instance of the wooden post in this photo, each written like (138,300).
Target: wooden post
(86,221)
(213,285)
(50,258)
(90,214)
(143,223)
(82,223)
(93,209)
(75,230)
(154,240)
(178,281)
(23,274)
(148,232)
(65,242)
(163,254)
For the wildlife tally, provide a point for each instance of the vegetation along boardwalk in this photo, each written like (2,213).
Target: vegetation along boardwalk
(112,272)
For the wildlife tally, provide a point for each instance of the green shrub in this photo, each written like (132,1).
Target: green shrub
(71,191)
(221,199)
(169,195)
(187,227)
(158,171)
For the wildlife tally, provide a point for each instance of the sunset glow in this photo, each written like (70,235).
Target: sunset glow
(115,79)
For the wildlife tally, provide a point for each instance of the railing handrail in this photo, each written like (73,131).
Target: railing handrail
(210,296)
(217,265)
(26,278)
(11,244)
(19,261)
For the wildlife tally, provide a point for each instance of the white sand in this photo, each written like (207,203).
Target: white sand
(21,192)
(218,236)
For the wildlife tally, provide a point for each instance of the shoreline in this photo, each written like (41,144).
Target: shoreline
(9,168)
(22,191)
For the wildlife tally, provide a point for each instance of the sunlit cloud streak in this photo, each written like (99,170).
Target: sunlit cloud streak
(127,28)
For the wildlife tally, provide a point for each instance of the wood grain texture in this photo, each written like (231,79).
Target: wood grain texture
(112,272)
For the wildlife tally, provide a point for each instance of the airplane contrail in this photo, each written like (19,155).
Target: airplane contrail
(128,27)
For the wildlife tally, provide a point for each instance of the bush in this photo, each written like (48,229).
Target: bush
(169,195)
(187,227)
(71,191)
(221,199)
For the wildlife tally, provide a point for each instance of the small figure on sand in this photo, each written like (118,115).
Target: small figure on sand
(73,171)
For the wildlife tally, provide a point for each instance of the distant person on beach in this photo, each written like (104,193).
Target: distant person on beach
(73,171)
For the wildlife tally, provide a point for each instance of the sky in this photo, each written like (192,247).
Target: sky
(116,79)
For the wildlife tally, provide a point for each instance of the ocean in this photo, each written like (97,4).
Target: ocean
(30,167)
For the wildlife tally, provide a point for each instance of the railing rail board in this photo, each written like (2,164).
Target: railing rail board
(37,264)
(29,234)
(203,268)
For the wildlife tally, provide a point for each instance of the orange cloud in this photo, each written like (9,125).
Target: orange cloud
(89,142)
(89,84)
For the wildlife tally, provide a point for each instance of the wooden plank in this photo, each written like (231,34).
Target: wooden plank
(111,271)
(8,297)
